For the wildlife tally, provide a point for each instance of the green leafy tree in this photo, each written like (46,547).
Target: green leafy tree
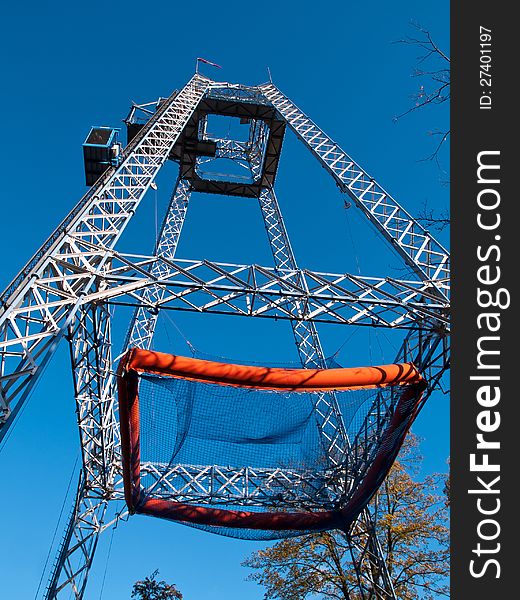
(151,589)
(412,528)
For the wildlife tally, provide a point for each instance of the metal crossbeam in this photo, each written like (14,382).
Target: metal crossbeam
(204,286)
(244,486)
(252,290)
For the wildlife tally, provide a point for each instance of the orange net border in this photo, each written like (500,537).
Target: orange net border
(138,361)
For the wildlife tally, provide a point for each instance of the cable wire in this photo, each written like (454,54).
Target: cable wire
(108,555)
(51,546)
(192,348)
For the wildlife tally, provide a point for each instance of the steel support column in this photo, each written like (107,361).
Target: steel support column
(305,332)
(142,327)
(32,319)
(95,393)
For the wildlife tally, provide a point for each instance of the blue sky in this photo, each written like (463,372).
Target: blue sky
(67,66)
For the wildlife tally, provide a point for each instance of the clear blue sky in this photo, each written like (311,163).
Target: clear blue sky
(67,66)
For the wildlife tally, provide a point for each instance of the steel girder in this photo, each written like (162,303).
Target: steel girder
(76,275)
(418,248)
(70,572)
(253,290)
(306,336)
(143,323)
(28,337)
(244,290)
(95,394)
(245,486)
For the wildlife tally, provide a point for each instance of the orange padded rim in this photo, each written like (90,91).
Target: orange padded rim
(136,361)
(268,378)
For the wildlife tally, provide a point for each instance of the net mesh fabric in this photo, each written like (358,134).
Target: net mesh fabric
(205,424)
(217,446)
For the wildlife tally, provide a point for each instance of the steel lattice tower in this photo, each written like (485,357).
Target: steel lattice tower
(68,289)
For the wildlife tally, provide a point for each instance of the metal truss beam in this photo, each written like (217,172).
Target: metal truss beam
(418,248)
(205,286)
(143,323)
(328,415)
(245,486)
(95,394)
(252,290)
(28,337)
(95,398)
(71,569)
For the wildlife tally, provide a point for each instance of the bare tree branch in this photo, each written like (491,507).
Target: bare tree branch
(435,81)
(433,220)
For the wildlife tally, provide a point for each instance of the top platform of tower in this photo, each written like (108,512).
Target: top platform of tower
(261,150)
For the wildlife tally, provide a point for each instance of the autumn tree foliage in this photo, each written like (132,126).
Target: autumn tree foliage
(151,589)
(412,528)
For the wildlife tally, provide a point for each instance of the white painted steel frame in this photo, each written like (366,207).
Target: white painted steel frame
(33,316)
(418,248)
(142,327)
(258,291)
(67,289)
